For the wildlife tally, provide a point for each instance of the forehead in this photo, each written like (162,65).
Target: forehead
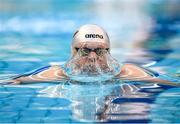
(91,45)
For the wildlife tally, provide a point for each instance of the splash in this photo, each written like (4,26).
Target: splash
(100,69)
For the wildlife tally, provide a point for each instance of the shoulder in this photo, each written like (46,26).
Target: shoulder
(56,66)
(132,71)
(140,68)
(129,66)
(50,71)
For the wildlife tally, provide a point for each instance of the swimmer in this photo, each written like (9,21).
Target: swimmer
(90,59)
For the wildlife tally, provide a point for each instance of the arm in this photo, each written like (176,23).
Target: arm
(46,74)
(132,72)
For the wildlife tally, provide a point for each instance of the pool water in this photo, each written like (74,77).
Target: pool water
(35,34)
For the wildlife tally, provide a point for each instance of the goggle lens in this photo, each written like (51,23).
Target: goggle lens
(87,51)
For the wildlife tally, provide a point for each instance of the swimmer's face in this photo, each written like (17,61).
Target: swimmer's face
(91,55)
(91,60)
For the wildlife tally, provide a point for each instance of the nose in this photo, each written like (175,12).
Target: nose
(92,56)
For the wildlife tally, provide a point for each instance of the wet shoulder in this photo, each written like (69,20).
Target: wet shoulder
(132,71)
(47,73)
(53,73)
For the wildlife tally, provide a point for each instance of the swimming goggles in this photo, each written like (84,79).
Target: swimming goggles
(87,51)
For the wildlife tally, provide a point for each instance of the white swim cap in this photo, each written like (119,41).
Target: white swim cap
(90,34)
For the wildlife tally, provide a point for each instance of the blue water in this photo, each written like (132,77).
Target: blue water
(34,34)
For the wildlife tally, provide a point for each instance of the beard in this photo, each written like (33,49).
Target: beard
(85,69)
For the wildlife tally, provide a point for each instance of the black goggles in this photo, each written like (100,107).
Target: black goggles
(87,51)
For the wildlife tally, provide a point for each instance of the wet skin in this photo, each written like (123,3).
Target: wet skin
(128,71)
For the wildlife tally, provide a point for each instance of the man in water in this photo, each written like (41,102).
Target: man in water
(90,59)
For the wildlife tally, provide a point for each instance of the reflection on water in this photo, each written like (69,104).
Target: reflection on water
(109,103)
(169,99)
(116,102)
